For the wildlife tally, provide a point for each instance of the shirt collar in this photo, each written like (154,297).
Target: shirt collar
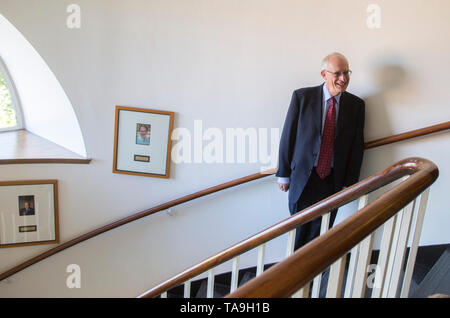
(327,94)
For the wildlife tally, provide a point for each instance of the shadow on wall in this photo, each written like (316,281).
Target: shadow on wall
(389,79)
(391,83)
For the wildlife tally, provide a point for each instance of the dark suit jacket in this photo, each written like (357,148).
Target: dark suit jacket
(29,211)
(300,139)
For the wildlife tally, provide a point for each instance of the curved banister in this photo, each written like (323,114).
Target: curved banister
(178,201)
(288,276)
(402,168)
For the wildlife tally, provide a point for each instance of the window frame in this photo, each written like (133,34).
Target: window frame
(14,98)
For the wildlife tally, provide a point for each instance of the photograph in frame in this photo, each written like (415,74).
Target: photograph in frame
(143,134)
(142,142)
(26,205)
(28,213)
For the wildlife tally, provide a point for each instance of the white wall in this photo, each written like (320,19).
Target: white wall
(230,64)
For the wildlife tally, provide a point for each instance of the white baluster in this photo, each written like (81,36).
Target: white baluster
(354,254)
(365,251)
(393,250)
(353,279)
(289,251)
(234,274)
(302,292)
(336,277)
(400,251)
(317,280)
(315,292)
(187,289)
(391,258)
(290,243)
(260,263)
(385,252)
(210,287)
(415,243)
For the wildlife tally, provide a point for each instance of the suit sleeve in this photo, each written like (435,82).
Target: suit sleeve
(357,150)
(287,141)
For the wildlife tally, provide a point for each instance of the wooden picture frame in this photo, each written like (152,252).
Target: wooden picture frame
(142,141)
(28,213)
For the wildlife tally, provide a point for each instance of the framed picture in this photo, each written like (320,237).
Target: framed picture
(142,141)
(28,213)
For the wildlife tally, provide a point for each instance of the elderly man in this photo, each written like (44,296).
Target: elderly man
(322,143)
(27,209)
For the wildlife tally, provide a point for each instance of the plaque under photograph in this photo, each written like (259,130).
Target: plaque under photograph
(28,228)
(141,158)
(141,134)
(28,213)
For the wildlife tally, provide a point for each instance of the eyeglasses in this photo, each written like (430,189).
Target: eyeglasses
(338,74)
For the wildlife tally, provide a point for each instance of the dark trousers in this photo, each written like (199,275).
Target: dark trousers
(316,189)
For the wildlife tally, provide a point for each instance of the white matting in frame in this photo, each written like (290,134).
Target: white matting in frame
(142,141)
(28,212)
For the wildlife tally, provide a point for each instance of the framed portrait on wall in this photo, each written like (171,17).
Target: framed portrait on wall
(142,141)
(28,213)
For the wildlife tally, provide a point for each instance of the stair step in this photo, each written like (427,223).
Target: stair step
(220,290)
(247,277)
(437,280)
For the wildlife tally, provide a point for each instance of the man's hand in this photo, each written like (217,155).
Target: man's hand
(283,186)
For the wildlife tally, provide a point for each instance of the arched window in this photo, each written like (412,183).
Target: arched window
(10,111)
(44,110)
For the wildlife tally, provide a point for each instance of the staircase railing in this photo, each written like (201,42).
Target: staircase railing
(168,205)
(283,281)
(294,273)
(408,135)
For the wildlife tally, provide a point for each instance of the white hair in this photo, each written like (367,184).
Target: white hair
(327,58)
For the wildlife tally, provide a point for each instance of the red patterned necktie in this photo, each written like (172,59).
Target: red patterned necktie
(326,148)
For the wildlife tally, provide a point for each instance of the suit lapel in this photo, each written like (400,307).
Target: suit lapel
(316,101)
(341,115)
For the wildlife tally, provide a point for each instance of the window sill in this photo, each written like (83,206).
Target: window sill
(23,147)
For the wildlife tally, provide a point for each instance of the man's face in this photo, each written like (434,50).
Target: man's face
(335,79)
(143,131)
(27,205)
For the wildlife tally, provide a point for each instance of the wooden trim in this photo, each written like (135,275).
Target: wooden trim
(408,135)
(116,138)
(405,167)
(169,143)
(44,160)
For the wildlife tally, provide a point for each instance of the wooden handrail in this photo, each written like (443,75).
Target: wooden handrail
(407,135)
(173,203)
(288,276)
(405,167)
